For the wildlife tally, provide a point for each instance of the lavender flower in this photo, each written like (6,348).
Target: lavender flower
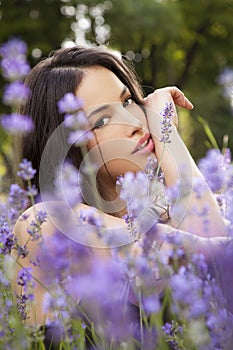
(136,200)
(92,217)
(89,288)
(54,304)
(17,197)
(173,332)
(151,168)
(14,63)
(17,124)
(32,191)
(186,289)
(26,171)
(65,260)
(166,123)
(22,302)
(13,215)
(41,216)
(34,230)
(76,120)
(14,68)
(6,237)
(217,170)
(67,183)
(151,303)
(15,94)
(22,251)
(25,278)
(12,48)
(79,137)
(70,103)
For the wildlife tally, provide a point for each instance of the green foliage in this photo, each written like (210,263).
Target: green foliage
(212,141)
(38,22)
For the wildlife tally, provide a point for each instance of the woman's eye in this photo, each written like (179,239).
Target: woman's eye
(101,122)
(128,102)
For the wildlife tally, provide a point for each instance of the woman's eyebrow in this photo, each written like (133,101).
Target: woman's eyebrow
(102,108)
(97,110)
(123,91)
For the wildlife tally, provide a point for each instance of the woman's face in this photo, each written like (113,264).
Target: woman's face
(121,137)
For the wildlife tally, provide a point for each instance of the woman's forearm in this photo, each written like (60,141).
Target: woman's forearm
(190,212)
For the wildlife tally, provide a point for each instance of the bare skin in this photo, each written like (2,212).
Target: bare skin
(133,130)
(175,160)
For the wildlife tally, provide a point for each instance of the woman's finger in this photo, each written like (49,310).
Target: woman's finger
(179,98)
(177,95)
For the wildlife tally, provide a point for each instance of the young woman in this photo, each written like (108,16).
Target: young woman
(126,129)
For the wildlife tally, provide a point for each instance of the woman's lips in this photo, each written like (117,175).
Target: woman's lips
(144,145)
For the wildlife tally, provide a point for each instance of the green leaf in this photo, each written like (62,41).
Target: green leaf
(208,132)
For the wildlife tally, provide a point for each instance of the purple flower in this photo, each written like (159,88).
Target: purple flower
(6,237)
(32,191)
(166,123)
(76,121)
(136,200)
(24,276)
(68,183)
(12,48)
(186,288)
(34,230)
(228,205)
(4,280)
(92,217)
(26,281)
(14,68)
(54,304)
(89,286)
(212,167)
(41,216)
(171,328)
(22,251)
(151,168)
(172,332)
(151,303)
(65,259)
(79,137)
(17,124)
(14,62)
(15,93)
(26,171)
(70,103)
(22,302)
(17,197)
(13,215)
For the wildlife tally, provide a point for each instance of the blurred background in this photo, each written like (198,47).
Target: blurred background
(170,42)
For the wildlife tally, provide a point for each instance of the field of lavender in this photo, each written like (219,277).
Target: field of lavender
(155,299)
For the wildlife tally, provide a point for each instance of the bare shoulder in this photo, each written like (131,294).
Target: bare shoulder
(29,216)
(51,217)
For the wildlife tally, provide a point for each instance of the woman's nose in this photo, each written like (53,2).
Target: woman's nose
(133,125)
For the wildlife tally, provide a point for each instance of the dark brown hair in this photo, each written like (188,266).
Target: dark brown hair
(51,79)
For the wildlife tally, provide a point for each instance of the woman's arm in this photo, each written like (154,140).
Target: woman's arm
(178,165)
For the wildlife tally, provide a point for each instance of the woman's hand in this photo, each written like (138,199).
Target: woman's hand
(156,100)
